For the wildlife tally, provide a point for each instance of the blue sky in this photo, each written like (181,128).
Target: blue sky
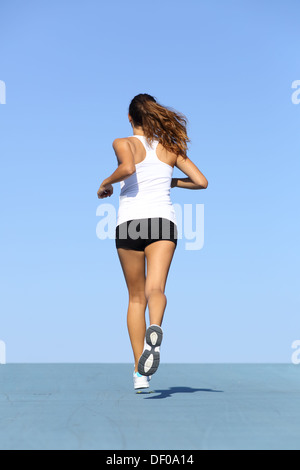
(71,69)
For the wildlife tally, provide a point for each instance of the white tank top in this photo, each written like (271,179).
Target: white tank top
(146,193)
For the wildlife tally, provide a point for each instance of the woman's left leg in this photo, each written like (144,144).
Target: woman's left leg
(133,265)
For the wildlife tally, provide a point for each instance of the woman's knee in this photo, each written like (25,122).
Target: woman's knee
(137,297)
(153,290)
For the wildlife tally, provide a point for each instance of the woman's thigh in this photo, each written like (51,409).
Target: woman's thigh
(159,256)
(133,266)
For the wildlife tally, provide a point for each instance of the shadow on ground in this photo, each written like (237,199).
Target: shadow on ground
(174,390)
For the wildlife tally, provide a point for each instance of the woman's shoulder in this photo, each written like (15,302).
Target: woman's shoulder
(120,140)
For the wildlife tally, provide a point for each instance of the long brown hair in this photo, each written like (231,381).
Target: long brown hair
(160,123)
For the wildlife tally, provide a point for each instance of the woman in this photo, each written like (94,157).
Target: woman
(146,229)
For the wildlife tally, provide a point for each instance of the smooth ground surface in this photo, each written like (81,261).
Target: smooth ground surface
(91,406)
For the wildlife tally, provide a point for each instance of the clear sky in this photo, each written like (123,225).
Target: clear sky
(71,69)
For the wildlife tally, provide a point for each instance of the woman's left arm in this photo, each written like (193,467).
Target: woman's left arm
(125,169)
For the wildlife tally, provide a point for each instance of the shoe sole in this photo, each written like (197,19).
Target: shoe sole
(150,359)
(141,387)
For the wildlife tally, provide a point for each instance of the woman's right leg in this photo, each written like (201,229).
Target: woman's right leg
(159,255)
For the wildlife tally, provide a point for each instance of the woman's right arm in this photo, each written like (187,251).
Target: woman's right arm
(195,179)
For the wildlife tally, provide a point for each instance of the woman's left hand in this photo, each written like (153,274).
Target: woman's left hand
(105,190)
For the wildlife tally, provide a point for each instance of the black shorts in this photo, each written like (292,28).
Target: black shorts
(138,234)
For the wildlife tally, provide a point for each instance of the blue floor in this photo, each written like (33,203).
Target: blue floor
(190,407)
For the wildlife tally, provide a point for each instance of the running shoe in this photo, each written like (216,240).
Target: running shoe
(150,359)
(139,381)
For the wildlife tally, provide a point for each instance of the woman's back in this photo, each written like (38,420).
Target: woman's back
(138,143)
(146,193)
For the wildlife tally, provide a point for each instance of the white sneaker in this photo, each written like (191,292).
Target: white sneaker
(140,381)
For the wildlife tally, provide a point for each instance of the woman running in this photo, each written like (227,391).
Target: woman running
(146,231)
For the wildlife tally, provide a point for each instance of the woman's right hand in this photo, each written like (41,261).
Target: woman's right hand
(105,190)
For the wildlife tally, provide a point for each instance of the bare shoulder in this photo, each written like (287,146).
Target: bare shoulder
(120,141)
